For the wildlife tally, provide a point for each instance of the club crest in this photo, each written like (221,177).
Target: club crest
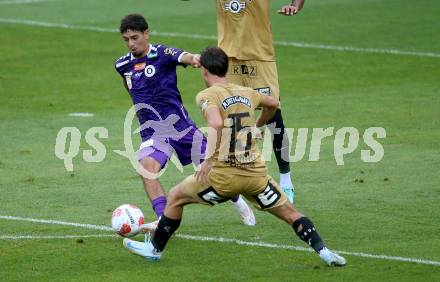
(235,6)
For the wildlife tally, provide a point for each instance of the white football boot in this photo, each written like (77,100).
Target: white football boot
(246,214)
(331,258)
(143,249)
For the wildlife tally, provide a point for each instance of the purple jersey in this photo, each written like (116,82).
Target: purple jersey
(152,80)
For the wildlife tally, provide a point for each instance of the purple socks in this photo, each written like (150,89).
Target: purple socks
(159,205)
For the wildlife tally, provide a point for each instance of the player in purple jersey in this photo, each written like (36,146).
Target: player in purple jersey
(149,75)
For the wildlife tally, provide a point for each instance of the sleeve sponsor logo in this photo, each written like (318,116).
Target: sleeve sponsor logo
(203,105)
(170,52)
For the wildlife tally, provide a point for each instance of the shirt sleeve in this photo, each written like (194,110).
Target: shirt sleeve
(173,55)
(118,70)
(121,65)
(204,101)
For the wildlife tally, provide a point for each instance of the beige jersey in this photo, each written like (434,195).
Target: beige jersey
(244,30)
(238,152)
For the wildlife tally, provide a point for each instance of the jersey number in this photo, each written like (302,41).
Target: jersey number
(243,132)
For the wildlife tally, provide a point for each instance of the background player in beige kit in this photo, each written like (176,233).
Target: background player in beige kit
(244,33)
(233,164)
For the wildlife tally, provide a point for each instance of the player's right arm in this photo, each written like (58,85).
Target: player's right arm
(122,66)
(270,106)
(215,124)
(214,121)
(211,114)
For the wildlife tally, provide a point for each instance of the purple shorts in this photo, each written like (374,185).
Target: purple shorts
(189,149)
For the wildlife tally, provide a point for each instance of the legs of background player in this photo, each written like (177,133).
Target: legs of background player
(279,150)
(246,214)
(152,187)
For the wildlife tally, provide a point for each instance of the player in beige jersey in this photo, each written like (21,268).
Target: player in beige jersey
(233,163)
(244,33)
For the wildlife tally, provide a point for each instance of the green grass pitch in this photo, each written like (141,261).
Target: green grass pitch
(48,72)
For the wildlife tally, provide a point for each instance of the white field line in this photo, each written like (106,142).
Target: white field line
(50,237)
(297,248)
(212,37)
(226,240)
(57,222)
(81,114)
(11,2)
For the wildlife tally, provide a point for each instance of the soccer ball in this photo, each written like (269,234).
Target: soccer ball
(126,220)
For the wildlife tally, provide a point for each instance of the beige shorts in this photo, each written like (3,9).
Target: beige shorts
(259,75)
(262,191)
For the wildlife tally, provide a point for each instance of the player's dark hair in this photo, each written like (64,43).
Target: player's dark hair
(215,61)
(135,22)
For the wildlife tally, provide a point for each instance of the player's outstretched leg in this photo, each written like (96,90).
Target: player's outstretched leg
(152,186)
(279,149)
(246,214)
(306,231)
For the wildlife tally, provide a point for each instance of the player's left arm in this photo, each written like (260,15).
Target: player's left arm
(176,56)
(190,59)
(215,124)
(292,9)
